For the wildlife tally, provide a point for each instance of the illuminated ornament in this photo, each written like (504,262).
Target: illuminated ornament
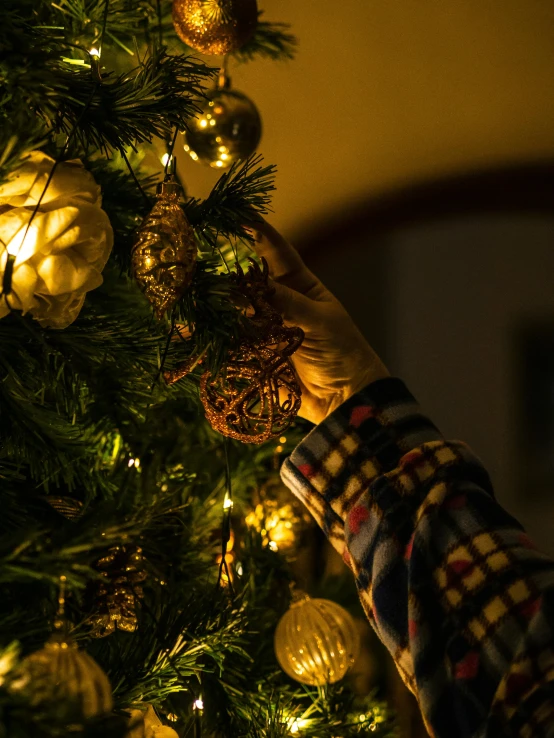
(164,254)
(279,518)
(257,395)
(51,254)
(227,129)
(215,27)
(60,673)
(316,641)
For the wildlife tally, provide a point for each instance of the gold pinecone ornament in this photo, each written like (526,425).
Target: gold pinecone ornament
(164,254)
(215,27)
(316,641)
(119,592)
(61,673)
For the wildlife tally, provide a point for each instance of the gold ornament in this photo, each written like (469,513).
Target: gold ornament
(148,725)
(66,506)
(164,255)
(119,591)
(50,259)
(61,673)
(316,641)
(215,27)
(228,128)
(257,395)
(279,517)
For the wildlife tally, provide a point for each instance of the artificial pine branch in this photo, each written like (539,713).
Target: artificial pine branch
(271,41)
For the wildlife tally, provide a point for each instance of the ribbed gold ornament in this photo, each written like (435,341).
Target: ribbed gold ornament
(227,129)
(316,641)
(215,27)
(61,673)
(164,254)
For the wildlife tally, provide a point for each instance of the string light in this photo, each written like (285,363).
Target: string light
(166,158)
(198,704)
(95,53)
(227,502)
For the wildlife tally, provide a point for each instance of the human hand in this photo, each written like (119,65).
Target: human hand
(335,361)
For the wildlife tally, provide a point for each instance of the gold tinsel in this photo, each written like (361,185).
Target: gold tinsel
(164,254)
(257,395)
(61,673)
(215,27)
(316,641)
(118,594)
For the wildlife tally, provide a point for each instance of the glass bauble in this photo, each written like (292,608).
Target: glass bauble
(61,673)
(229,128)
(316,641)
(216,27)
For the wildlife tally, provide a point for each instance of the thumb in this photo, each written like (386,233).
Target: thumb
(295,308)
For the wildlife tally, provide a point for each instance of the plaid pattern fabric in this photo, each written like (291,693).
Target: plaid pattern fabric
(450,582)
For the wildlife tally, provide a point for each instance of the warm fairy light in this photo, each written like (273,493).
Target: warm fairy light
(219,163)
(194,155)
(95,53)
(131,462)
(186,147)
(172,717)
(198,704)
(240,570)
(283,439)
(227,502)
(203,123)
(212,122)
(137,463)
(298,724)
(273,546)
(167,158)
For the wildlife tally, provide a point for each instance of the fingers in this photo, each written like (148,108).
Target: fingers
(296,309)
(285,264)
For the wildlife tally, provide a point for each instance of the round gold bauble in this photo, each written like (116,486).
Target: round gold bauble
(164,253)
(61,673)
(316,641)
(228,128)
(216,27)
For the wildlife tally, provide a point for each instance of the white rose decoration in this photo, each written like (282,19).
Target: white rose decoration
(62,254)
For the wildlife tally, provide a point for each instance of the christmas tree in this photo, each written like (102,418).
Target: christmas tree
(145,547)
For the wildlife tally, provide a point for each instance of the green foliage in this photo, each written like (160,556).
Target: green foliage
(85,413)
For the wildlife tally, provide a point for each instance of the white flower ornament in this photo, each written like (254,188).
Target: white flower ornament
(61,255)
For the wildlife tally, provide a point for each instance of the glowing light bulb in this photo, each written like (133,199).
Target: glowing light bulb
(212,122)
(186,148)
(219,163)
(131,462)
(167,157)
(194,155)
(198,704)
(203,123)
(227,502)
(95,53)
(273,546)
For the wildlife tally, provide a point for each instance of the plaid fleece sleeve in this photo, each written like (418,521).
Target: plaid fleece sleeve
(450,582)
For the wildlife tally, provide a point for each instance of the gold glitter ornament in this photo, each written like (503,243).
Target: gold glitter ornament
(61,673)
(316,641)
(215,27)
(257,395)
(164,254)
(118,594)
(227,129)
(67,506)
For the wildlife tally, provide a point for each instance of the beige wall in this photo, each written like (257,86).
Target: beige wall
(390,91)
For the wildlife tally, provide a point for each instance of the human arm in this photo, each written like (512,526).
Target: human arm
(451,584)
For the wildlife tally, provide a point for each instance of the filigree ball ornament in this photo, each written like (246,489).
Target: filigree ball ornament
(316,641)
(63,674)
(164,253)
(257,395)
(227,129)
(51,254)
(215,27)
